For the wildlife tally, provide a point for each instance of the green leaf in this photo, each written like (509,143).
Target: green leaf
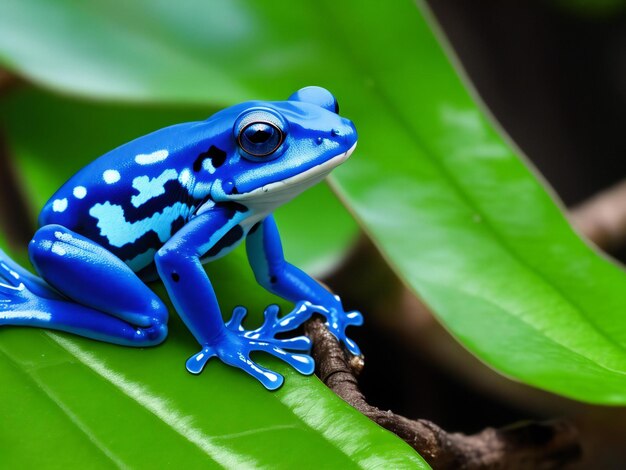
(71,401)
(128,407)
(443,195)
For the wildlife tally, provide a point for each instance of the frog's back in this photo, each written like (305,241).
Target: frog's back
(134,198)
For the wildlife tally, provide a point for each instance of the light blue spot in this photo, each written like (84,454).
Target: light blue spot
(118,231)
(142,260)
(111,176)
(207,165)
(149,188)
(80,192)
(63,236)
(185,178)
(201,190)
(59,205)
(58,249)
(150,158)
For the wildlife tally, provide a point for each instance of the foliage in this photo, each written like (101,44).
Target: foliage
(456,212)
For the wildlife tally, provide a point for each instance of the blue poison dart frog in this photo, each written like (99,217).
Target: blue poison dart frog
(164,204)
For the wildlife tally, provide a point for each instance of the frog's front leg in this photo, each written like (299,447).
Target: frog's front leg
(178,263)
(266,257)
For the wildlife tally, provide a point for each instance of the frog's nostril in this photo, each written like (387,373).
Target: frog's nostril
(335,132)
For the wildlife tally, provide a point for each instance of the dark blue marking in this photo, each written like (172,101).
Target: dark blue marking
(177,225)
(130,250)
(231,208)
(148,274)
(217,157)
(254,228)
(174,192)
(232,236)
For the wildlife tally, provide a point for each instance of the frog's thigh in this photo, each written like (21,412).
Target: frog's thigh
(94,277)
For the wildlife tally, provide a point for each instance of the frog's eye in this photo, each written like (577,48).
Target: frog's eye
(260,138)
(259,133)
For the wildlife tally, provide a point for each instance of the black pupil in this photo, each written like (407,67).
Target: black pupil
(260,139)
(260,136)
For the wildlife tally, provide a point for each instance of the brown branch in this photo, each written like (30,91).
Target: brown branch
(14,210)
(602,218)
(7,80)
(522,446)
(15,213)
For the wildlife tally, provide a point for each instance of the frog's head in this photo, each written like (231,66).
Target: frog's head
(278,149)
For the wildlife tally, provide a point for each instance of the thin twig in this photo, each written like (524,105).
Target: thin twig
(7,80)
(14,210)
(523,446)
(15,213)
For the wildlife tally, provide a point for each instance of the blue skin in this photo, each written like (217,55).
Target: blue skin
(164,204)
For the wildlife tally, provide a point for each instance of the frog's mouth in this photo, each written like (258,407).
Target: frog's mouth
(290,187)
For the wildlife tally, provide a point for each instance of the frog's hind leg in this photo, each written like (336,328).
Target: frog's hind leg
(101,297)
